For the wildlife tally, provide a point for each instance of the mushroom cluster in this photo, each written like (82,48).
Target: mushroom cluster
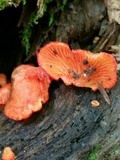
(30,84)
(78,67)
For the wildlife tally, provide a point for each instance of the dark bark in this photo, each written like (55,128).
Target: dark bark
(67,127)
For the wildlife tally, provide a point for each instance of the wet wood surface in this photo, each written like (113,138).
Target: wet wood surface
(67,127)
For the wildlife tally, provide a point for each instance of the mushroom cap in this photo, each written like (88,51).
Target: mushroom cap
(100,68)
(29,91)
(8,154)
(4,94)
(58,61)
(3,79)
(78,67)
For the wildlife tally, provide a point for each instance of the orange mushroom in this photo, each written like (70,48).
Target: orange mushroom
(58,61)
(3,79)
(99,68)
(78,67)
(29,91)
(4,94)
(8,154)
(4,90)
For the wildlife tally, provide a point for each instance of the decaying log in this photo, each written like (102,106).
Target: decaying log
(68,127)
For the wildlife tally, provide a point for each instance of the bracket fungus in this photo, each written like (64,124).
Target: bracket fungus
(28,92)
(78,67)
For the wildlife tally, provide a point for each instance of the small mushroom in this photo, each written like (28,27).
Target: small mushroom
(4,94)
(29,91)
(95,103)
(8,154)
(78,67)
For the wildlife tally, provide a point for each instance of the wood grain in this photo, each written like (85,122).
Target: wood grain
(67,127)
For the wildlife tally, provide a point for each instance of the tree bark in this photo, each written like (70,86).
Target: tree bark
(67,127)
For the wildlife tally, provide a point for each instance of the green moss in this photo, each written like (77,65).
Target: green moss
(42,12)
(24,2)
(6,3)
(26,34)
(2,4)
(61,7)
(51,19)
(34,17)
(52,15)
(93,155)
(33,20)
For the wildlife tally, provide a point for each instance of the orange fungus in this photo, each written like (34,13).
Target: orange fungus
(3,79)
(78,67)
(100,68)
(4,90)
(58,61)
(53,58)
(4,94)
(29,91)
(8,154)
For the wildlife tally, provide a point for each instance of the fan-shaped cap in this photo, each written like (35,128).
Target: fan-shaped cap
(3,79)
(99,68)
(79,67)
(29,91)
(58,61)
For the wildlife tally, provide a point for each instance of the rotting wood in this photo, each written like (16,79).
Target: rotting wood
(67,127)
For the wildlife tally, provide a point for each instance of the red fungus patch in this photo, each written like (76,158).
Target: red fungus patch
(29,91)
(78,67)
(8,154)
